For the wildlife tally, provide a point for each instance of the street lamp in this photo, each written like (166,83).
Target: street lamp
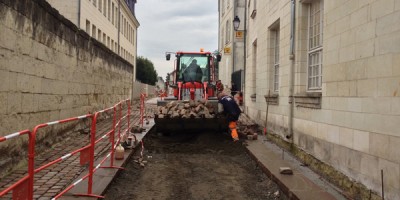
(236,23)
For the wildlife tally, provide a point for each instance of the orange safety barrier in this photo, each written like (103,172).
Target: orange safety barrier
(23,188)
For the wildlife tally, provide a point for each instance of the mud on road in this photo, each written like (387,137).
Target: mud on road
(192,166)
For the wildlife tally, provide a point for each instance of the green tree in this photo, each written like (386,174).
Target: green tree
(167,78)
(145,71)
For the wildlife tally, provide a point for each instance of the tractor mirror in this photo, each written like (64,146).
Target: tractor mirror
(218,57)
(168,56)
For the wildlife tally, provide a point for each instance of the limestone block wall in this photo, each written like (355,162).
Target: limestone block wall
(361,80)
(259,63)
(51,70)
(355,127)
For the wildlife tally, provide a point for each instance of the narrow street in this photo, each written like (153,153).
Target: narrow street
(211,99)
(192,166)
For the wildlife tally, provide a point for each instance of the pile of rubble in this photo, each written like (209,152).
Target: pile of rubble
(190,109)
(247,128)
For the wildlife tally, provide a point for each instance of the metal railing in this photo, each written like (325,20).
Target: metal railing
(24,187)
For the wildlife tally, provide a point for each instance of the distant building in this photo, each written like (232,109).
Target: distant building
(171,78)
(111,22)
(160,83)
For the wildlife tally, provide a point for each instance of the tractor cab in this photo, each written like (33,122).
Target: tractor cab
(194,76)
(193,68)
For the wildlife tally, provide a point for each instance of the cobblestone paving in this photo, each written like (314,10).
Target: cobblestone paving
(54,179)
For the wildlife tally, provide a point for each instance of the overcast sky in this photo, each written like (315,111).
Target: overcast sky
(175,25)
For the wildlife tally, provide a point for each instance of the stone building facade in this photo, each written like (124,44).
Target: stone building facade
(330,71)
(231,45)
(111,22)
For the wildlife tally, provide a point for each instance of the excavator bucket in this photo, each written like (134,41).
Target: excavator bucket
(176,124)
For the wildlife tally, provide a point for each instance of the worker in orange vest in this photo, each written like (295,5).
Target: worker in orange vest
(232,112)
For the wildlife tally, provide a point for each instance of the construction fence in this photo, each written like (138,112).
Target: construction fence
(97,145)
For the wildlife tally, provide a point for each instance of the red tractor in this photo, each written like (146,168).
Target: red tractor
(194,76)
(194,79)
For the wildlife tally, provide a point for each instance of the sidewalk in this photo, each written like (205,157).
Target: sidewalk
(303,184)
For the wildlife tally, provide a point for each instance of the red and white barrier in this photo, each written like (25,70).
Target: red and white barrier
(23,188)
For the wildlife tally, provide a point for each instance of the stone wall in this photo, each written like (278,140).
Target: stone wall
(51,70)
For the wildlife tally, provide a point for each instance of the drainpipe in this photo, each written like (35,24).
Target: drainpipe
(233,41)
(289,136)
(244,52)
(219,30)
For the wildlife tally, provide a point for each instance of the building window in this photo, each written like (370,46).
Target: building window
(94,3)
(108,41)
(129,33)
(121,24)
(109,10)
(133,36)
(124,31)
(112,45)
(93,31)
(125,27)
(228,31)
(112,16)
(104,38)
(88,27)
(100,5)
(276,59)
(116,17)
(222,38)
(254,67)
(315,33)
(99,35)
(105,8)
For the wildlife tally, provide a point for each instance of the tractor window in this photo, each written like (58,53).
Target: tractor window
(193,68)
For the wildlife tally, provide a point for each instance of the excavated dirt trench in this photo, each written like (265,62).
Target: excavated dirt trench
(192,166)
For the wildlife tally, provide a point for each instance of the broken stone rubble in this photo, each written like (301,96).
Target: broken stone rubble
(247,128)
(190,109)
